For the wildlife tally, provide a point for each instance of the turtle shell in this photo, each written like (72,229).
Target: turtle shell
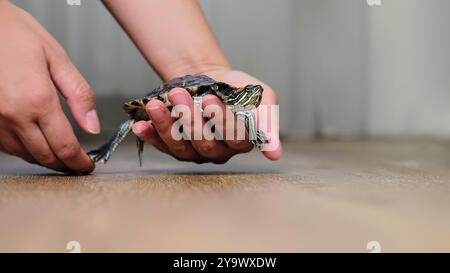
(191,83)
(195,85)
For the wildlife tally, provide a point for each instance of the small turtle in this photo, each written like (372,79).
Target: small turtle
(241,101)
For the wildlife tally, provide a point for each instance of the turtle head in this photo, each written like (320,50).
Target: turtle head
(248,96)
(251,95)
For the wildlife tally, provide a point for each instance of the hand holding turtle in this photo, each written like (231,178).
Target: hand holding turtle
(204,149)
(32,124)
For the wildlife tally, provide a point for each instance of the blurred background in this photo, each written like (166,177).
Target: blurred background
(342,69)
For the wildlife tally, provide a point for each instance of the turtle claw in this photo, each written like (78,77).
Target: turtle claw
(101,155)
(260,140)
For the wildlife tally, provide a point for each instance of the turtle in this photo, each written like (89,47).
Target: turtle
(241,101)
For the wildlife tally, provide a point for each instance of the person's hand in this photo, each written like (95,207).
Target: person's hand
(158,131)
(33,66)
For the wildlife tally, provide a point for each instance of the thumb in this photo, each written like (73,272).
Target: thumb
(75,89)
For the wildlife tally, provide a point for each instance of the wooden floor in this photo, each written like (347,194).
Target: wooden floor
(322,196)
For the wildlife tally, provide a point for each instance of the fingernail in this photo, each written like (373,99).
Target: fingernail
(92,122)
(156,113)
(178,97)
(137,129)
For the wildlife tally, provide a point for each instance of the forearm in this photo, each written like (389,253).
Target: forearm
(173,35)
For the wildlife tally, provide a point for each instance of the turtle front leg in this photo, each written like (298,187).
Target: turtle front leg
(104,152)
(255,136)
(198,102)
